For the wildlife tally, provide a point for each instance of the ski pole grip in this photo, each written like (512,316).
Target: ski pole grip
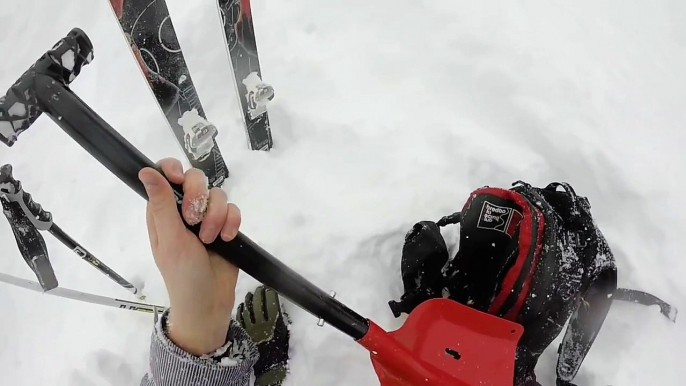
(12,189)
(19,108)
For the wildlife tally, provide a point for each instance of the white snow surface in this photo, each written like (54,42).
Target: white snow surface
(386,113)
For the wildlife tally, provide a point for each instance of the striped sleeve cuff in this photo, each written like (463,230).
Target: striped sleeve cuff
(230,365)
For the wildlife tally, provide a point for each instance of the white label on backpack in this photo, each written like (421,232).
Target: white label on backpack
(499,218)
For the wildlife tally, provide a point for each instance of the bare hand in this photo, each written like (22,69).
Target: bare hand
(201,284)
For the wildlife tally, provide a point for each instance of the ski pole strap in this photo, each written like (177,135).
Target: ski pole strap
(26,218)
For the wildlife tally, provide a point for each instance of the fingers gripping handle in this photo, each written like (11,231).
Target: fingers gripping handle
(11,188)
(19,107)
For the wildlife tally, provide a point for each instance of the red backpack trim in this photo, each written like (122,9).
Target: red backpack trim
(525,276)
(516,284)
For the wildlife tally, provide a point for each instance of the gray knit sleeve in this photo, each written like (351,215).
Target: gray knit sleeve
(230,365)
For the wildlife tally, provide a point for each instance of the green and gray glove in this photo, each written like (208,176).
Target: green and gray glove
(261,317)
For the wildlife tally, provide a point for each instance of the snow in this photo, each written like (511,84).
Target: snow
(673,314)
(68,60)
(17,110)
(386,113)
(196,209)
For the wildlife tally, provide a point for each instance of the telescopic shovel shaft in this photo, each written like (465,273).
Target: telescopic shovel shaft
(97,137)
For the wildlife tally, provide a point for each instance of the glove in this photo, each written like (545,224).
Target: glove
(262,318)
(423,257)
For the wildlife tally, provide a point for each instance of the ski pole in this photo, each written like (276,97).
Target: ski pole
(85,297)
(42,220)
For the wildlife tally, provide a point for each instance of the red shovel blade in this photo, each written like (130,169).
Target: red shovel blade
(445,343)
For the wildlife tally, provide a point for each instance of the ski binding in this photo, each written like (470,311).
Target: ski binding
(199,134)
(259,94)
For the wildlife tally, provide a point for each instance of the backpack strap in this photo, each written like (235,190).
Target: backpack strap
(576,207)
(450,219)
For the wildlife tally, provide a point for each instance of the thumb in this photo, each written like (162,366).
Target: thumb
(161,203)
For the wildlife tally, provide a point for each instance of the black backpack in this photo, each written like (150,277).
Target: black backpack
(525,254)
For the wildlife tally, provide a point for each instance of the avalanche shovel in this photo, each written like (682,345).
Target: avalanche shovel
(441,342)
(445,343)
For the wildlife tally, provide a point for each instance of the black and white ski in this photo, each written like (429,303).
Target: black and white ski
(253,93)
(148,28)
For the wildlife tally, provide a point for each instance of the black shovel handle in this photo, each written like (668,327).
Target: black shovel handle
(97,137)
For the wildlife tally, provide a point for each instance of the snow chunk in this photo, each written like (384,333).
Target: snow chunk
(68,60)
(195,212)
(672,314)
(17,110)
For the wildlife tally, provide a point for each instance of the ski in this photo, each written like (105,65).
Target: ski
(81,296)
(253,93)
(148,28)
